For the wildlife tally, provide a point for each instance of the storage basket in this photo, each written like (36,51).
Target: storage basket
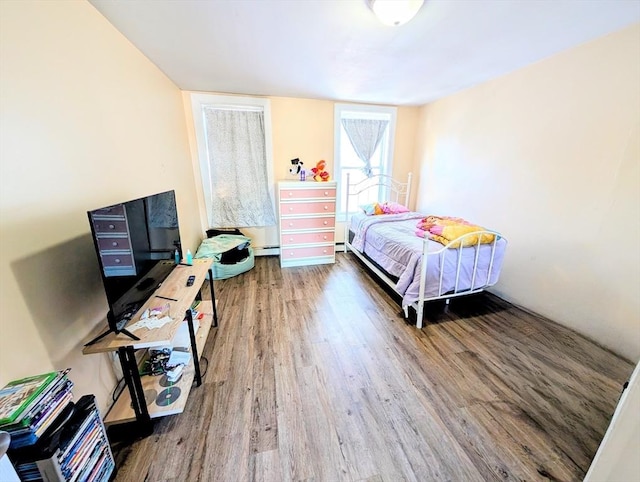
(230,250)
(224,271)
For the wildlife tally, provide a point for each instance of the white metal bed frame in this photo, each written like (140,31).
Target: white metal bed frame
(396,191)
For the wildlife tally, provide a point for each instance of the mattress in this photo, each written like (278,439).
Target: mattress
(391,242)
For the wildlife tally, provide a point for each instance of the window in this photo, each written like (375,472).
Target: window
(364,138)
(235,156)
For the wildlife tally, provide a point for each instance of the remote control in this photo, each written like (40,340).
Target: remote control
(191,280)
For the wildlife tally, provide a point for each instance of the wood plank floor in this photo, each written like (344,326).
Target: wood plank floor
(314,376)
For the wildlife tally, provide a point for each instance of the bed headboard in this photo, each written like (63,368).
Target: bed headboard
(388,189)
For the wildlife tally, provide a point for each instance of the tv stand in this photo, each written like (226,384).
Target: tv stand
(170,398)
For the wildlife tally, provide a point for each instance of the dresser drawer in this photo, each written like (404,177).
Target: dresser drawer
(297,208)
(307,238)
(311,252)
(122,260)
(106,244)
(315,192)
(291,224)
(110,226)
(117,210)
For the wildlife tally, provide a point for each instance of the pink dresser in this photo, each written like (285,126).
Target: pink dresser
(307,222)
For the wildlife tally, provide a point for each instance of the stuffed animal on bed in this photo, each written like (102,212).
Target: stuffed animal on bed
(318,172)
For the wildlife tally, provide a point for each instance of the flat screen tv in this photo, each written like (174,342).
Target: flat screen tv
(135,244)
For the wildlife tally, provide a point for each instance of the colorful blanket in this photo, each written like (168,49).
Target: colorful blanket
(367,221)
(445,229)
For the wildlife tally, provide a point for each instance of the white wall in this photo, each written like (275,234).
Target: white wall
(550,156)
(617,457)
(85,121)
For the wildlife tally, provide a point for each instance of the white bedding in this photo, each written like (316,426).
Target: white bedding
(391,242)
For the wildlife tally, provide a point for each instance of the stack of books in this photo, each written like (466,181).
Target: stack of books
(29,406)
(75,450)
(85,455)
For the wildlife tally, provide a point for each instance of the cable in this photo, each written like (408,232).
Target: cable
(206,368)
(114,397)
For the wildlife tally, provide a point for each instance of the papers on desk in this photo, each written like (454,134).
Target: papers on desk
(153,318)
(178,357)
(174,374)
(150,323)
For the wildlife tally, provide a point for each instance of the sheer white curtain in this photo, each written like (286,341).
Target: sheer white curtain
(365,135)
(238,173)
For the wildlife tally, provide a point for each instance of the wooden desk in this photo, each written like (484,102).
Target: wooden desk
(131,405)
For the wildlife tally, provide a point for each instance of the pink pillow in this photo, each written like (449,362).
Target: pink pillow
(394,208)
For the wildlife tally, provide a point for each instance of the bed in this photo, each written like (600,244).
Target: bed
(419,269)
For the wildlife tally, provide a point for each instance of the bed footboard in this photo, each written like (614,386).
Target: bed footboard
(457,247)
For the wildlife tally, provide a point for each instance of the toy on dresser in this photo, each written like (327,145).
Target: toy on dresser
(319,173)
(297,169)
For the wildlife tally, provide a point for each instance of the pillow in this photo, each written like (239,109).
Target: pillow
(394,208)
(372,209)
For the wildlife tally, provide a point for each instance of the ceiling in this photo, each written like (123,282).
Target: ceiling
(338,50)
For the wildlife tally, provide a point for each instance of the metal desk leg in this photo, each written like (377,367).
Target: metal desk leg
(194,347)
(213,299)
(127,358)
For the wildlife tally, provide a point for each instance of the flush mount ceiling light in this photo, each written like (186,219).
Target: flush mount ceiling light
(395,12)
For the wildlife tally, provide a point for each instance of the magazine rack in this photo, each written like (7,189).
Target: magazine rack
(76,449)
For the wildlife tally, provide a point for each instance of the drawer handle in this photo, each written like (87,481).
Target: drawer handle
(291,240)
(326,193)
(115,243)
(324,251)
(290,224)
(326,207)
(117,260)
(325,223)
(290,209)
(111,226)
(324,237)
(290,254)
(290,193)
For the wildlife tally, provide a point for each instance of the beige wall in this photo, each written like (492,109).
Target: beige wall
(550,156)
(86,121)
(304,129)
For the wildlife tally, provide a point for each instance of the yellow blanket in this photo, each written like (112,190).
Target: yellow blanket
(446,229)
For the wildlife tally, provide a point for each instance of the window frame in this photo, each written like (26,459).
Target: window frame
(231,102)
(343,110)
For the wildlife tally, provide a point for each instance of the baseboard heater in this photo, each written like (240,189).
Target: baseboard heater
(275,250)
(266,250)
